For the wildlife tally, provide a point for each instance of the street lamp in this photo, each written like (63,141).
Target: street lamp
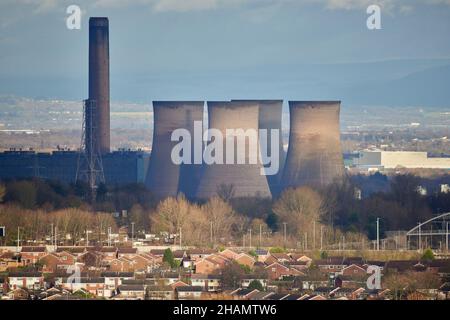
(378,234)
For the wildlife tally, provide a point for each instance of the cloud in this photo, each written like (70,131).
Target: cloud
(176,5)
(44,6)
(38,6)
(183,5)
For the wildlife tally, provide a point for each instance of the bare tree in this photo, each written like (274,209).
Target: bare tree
(220,216)
(299,209)
(226,192)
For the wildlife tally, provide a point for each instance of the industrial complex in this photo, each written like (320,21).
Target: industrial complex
(377,160)
(314,156)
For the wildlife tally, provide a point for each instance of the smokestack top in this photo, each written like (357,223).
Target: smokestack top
(176,104)
(232,105)
(98,22)
(313,104)
(258,100)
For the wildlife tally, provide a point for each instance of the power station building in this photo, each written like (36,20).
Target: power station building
(120,167)
(95,158)
(314,155)
(245,179)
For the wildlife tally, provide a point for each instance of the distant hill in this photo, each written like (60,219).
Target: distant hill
(394,83)
(430,88)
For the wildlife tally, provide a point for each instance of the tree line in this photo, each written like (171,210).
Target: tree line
(303,217)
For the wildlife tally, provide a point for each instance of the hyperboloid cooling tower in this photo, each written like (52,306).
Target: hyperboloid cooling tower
(99,85)
(314,155)
(270,118)
(164,177)
(247,180)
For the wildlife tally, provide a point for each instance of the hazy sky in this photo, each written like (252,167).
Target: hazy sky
(195,48)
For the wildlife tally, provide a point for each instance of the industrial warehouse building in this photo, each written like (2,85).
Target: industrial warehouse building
(120,167)
(379,160)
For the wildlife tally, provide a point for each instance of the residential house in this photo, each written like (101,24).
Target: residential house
(31,255)
(160,293)
(9,260)
(91,260)
(126,252)
(179,283)
(108,252)
(3,286)
(75,251)
(130,292)
(229,254)
(179,255)
(208,265)
(28,280)
(245,282)
(52,262)
(331,265)
(444,291)
(243,294)
(401,265)
(277,296)
(114,279)
(301,258)
(94,285)
(208,282)
(281,257)
(354,270)
(293,297)
(196,254)
(277,271)
(121,264)
(188,292)
(261,295)
(262,255)
(18,294)
(245,259)
(144,262)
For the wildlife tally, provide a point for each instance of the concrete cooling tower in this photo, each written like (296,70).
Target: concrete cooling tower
(314,156)
(164,178)
(246,179)
(99,84)
(270,118)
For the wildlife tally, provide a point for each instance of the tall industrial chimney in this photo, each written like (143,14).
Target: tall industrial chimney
(164,178)
(270,118)
(99,85)
(246,179)
(314,156)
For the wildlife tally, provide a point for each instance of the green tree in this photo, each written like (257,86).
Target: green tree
(323,255)
(276,250)
(256,284)
(169,258)
(428,254)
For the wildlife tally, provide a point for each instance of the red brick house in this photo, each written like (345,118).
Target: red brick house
(31,255)
(354,271)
